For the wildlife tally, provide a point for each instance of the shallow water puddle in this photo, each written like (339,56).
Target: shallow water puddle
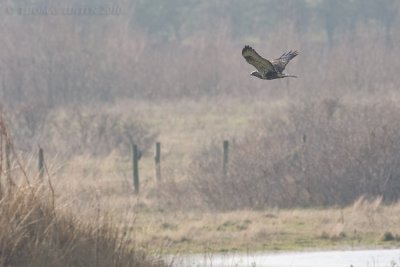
(355,258)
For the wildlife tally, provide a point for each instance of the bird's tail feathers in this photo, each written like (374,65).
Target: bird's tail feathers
(289,55)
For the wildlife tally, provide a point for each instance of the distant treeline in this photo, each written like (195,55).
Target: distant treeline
(179,19)
(157,49)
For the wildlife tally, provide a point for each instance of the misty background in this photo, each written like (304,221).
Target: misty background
(154,49)
(66,81)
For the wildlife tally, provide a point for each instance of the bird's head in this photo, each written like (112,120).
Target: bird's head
(256,74)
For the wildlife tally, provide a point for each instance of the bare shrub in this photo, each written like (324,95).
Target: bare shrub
(98,133)
(75,131)
(323,152)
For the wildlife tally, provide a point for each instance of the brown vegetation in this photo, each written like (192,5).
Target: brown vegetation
(84,88)
(75,131)
(36,232)
(317,153)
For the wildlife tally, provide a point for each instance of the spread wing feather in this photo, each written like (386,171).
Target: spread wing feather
(281,62)
(253,58)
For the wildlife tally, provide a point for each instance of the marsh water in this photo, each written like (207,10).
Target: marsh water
(355,258)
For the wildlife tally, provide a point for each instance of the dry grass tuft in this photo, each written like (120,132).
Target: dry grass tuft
(34,232)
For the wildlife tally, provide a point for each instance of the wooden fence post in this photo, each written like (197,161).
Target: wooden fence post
(135,168)
(8,162)
(225,158)
(1,164)
(41,163)
(157,161)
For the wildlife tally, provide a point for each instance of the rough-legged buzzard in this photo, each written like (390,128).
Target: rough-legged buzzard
(268,70)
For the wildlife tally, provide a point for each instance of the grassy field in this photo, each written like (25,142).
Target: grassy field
(94,203)
(363,225)
(86,185)
(314,162)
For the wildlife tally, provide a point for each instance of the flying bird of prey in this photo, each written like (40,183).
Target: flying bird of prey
(268,70)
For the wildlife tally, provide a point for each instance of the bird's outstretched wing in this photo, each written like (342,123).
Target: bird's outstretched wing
(261,64)
(281,62)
